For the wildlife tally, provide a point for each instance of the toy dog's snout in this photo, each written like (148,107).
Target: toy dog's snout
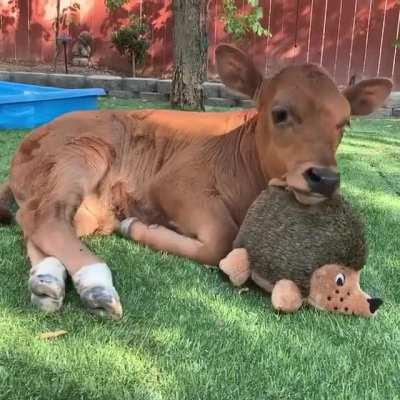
(337,288)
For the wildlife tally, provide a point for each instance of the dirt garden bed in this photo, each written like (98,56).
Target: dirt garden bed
(29,66)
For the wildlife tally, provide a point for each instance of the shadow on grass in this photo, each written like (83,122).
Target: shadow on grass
(52,378)
(372,137)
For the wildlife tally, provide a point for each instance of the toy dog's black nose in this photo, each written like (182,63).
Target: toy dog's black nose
(322,180)
(374,304)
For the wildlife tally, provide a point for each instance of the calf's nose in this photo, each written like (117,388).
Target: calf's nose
(374,304)
(322,180)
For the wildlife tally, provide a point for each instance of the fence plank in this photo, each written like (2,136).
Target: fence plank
(388,37)
(42,35)
(374,39)
(396,59)
(344,41)
(331,35)
(359,39)
(289,30)
(317,31)
(302,33)
(276,44)
(22,30)
(8,23)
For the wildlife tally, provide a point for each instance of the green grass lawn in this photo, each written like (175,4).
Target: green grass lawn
(188,334)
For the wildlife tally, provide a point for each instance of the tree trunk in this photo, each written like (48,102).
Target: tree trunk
(190,49)
(133,60)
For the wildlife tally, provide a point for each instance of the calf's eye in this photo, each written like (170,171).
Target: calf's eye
(280,115)
(340,279)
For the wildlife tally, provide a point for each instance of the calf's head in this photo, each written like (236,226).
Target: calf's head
(302,116)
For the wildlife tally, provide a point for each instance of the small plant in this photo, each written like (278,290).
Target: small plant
(132,40)
(240,24)
(113,5)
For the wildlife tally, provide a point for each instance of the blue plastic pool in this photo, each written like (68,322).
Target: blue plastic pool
(28,106)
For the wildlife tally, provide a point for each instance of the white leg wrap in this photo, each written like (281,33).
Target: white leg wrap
(47,284)
(50,266)
(95,287)
(91,276)
(125,225)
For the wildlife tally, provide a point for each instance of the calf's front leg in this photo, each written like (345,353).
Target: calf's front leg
(214,234)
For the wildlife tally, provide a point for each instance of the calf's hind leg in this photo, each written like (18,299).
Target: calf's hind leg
(48,223)
(47,280)
(91,275)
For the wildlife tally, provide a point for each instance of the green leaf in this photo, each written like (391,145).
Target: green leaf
(113,5)
(132,38)
(253,3)
(259,13)
(239,24)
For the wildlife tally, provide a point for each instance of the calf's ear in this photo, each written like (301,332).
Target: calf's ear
(237,71)
(368,95)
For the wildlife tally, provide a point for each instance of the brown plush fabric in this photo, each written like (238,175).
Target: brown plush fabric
(288,240)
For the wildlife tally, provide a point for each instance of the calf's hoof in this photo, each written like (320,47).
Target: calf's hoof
(47,284)
(95,287)
(46,303)
(102,301)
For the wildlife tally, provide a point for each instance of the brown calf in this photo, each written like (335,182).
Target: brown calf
(175,181)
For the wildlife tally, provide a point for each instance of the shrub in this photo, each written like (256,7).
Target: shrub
(132,40)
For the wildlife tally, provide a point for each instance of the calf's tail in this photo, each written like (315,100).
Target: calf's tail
(6,200)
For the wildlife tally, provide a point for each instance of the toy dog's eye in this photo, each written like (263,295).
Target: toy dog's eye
(340,279)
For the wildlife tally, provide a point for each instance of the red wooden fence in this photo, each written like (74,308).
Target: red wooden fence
(345,36)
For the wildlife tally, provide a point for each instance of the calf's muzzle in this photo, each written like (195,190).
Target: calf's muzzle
(324,181)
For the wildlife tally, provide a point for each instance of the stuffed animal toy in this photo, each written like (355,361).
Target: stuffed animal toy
(302,254)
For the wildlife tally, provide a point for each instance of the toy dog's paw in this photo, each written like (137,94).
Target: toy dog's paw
(237,266)
(286,296)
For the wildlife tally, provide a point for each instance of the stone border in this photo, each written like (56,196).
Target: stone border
(151,89)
